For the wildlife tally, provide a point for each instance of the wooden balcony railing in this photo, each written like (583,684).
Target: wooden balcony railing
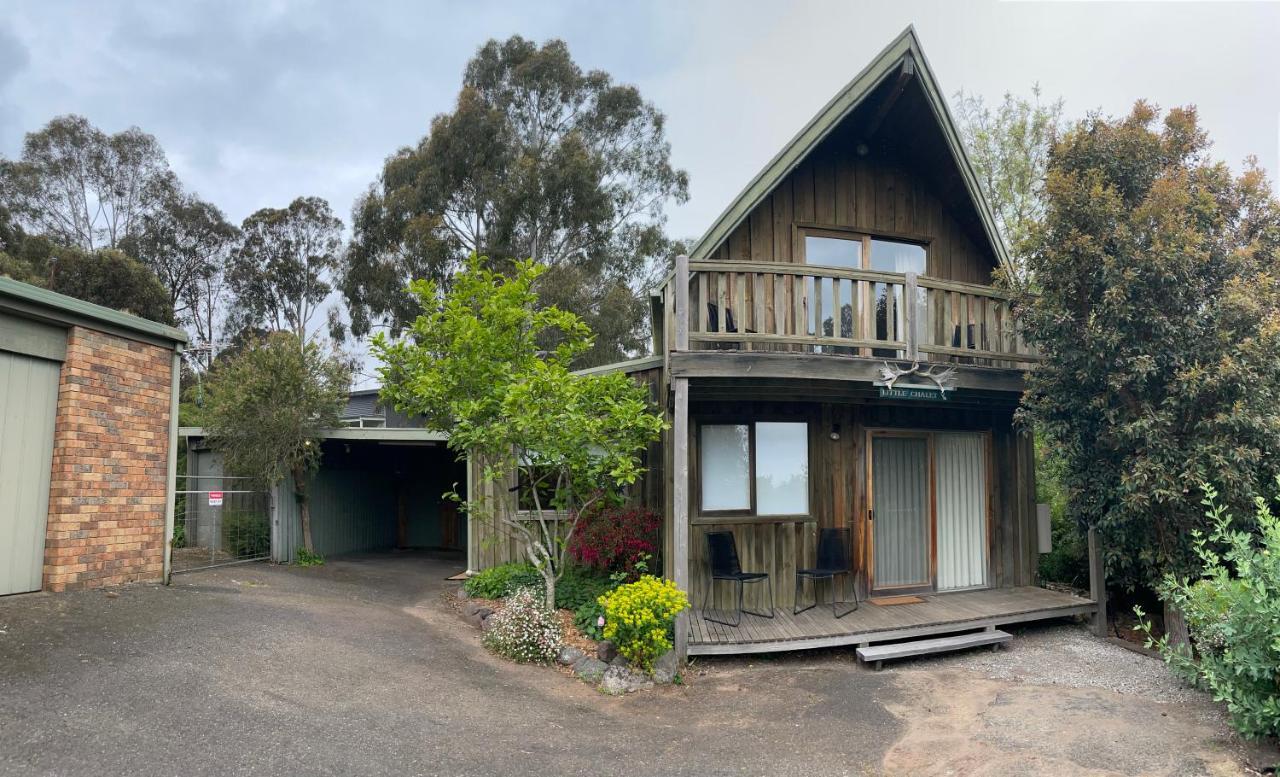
(758,306)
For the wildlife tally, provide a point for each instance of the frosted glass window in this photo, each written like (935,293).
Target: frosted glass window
(782,469)
(726,467)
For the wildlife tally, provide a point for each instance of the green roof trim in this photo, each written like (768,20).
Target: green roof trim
(820,126)
(34,302)
(630,365)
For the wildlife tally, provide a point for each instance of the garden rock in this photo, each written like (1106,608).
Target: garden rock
(569,655)
(472,610)
(618,680)
(606,651)
(666,667)
(589,669)
(487,622)
(461,594)
(618,661)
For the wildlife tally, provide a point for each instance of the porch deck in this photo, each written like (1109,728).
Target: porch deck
(937,614)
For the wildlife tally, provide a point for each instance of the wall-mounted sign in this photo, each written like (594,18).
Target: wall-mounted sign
(215,499)
(940,376)
(913,392)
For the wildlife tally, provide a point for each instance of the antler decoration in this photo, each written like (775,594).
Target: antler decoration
(890,373)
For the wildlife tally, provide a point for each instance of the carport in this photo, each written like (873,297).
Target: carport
(376,489)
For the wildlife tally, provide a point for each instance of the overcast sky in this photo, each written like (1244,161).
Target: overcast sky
(259,102)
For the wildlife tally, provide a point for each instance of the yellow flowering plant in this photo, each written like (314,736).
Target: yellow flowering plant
(639,618)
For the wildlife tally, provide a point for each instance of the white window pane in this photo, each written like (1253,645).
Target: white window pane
(833,251)
(726,467)
(782,469)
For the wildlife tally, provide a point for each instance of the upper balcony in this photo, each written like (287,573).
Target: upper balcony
(816,317)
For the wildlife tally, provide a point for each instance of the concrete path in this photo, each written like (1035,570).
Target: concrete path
(360,667)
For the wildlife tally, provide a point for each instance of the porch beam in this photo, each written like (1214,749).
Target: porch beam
(759,364)
(1097,584)
(680,474)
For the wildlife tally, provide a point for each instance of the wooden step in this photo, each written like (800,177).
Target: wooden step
(924,647)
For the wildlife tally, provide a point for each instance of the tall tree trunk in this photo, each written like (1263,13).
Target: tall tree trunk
(550,577)
(304,506)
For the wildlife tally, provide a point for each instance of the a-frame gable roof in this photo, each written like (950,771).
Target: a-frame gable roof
(885,65)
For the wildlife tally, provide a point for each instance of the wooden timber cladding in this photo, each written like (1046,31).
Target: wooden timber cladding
(838,488)
(872,194)
(491,543)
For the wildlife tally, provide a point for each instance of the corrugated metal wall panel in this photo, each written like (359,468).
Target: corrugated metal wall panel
(900,485)
(961,484)
(28,406)
(352,511)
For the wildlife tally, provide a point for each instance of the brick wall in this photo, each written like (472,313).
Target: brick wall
(110,463)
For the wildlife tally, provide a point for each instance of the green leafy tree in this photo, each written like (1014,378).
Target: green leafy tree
(471,364)
(538,159)
(266,407)
(1009,147)
(111,278)
(1157,310)
(280,273)
(187,243)
(83,188)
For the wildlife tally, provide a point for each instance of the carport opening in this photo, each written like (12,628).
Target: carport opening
(382,495)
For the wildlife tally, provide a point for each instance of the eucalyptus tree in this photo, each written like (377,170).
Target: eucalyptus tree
(281,271)
(1009,147)
(187,243)
(82,187)
(538,159)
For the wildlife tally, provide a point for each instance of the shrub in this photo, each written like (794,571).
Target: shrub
(615,538)
(245,533)
(502,580)
(589,618)
(579,586)
(524,629)
(640,618)
(1233,617)
(306,558)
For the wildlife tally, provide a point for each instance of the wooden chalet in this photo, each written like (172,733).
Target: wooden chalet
(833,353)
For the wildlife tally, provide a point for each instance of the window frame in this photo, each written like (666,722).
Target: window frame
(752,511)
(851,234)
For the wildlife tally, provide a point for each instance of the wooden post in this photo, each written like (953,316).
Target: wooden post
(910,314)
(680,468)
(1097,584)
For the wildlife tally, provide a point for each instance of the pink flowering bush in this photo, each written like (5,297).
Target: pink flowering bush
(615,539)
(524,629)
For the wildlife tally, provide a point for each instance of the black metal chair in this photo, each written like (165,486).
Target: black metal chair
(833,561)
(722,554)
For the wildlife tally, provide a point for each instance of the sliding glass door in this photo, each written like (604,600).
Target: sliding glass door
(928,510)
(901,519)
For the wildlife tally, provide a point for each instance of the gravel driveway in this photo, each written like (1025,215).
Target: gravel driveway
(359,667)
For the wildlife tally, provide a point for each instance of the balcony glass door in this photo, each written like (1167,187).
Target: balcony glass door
(901,518)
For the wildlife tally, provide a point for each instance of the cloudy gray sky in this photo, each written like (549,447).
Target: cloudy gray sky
(258,102)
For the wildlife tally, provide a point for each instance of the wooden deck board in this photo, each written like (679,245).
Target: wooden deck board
(937,614)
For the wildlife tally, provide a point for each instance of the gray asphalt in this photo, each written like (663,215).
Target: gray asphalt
(360,667)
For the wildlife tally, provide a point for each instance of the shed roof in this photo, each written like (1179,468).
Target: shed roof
(29,301)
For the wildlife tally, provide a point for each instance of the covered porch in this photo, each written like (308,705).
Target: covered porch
(945,613)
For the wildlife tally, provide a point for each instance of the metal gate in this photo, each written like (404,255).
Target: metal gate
(219,520)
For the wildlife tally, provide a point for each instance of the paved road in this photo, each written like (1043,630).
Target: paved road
(359,668)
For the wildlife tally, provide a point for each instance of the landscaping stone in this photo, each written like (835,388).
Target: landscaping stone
(461,594)
(618,680)
(589,669)
(487,622)
(666,667)
(618,661)
(569,655)
(606,650)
